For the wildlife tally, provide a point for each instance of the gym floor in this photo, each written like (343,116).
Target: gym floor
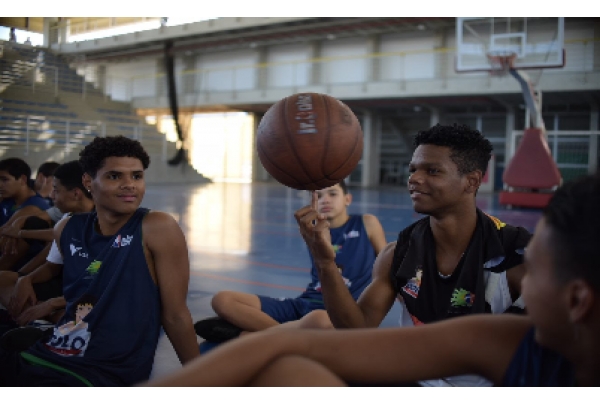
(244,237)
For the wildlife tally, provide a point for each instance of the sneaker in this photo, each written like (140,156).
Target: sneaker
(216,329)
(20,339)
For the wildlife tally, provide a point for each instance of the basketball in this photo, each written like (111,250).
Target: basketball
(309,141)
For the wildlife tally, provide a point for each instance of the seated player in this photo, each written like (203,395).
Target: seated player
(42,184)
(16,194)
(35,293)
(125,274)
(356,240)
(454,261)
(555,344)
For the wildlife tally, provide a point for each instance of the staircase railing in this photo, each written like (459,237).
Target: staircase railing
(28,131)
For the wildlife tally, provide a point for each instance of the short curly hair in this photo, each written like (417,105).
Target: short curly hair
(93,155)
(470,149)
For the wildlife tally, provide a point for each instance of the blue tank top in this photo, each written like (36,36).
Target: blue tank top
(354,256)
(534,365)
(111,325)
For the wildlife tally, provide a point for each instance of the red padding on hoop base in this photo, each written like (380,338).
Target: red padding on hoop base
(524,199)
(532,166)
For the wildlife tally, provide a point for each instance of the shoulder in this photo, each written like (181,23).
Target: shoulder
(156,222)
(38,201)
(388,250)
(371,222)
(511,236)
(60,226)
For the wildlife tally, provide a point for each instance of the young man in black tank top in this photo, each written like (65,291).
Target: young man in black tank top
(441,265)
(556,344)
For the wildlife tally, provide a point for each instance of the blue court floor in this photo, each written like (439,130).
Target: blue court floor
(244,237)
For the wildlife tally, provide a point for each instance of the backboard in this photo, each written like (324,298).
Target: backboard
(535,42)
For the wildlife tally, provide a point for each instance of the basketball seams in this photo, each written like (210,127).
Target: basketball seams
(291,140)
(302,159)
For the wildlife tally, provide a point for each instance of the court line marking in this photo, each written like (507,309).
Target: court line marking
(246,282)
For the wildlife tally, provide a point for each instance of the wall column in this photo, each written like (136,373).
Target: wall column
(510,146)
(161,78)
(371,125)
(261,71)
(593,147)
(316,67)
(188,81)
(374,67)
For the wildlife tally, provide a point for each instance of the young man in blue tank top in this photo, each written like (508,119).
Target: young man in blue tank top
(16,194)
(34,292)
(556,344)
(356,241)
(125,273)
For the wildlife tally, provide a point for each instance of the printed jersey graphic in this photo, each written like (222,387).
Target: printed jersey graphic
(413,286)
(352,234)
(74,249)
(499,224)
(122,241)
(72,338)
(93,269)
(462,298)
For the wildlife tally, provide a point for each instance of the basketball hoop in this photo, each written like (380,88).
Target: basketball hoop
(500,63)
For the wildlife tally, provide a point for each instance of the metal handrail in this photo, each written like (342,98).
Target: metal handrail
(28,130)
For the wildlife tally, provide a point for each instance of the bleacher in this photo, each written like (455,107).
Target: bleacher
(48,112)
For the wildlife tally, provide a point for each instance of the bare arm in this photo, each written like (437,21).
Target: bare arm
(344,312)
(35,262)
(18,219)
(23,292)
(375,232)
(168,248)
(44,235)
(451,347)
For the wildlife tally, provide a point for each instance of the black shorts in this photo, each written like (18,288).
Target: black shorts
(49,289)
(16,371)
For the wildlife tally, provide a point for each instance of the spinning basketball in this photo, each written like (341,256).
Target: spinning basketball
(309,141)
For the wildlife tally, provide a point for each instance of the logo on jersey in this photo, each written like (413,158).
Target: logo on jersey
(497,222)
(94,268)
(336,248)
(413,285)
(462,298)
(74,249)
(352,234)
(122,241)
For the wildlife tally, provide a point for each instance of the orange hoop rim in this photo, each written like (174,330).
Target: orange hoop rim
(501,63)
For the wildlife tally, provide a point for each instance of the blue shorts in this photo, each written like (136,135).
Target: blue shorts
(288,309)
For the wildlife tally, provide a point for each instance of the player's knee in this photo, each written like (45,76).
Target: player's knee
(317,319)
(223,301)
